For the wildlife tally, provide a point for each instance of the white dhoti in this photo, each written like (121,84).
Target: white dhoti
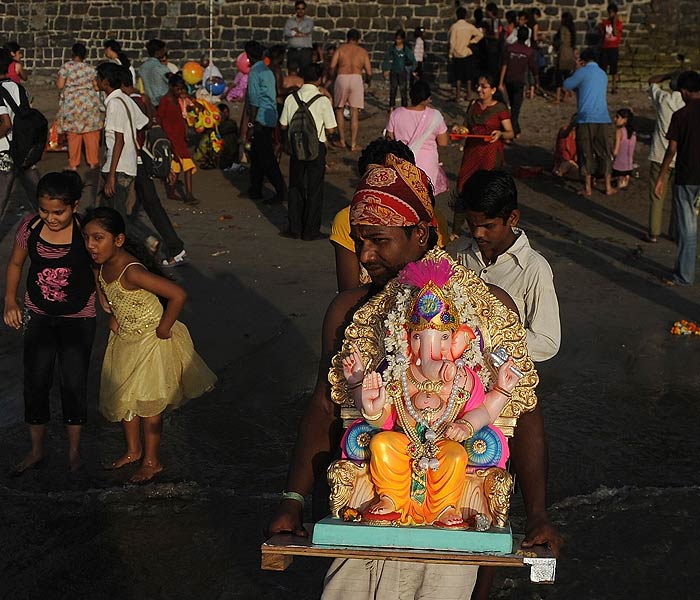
(392,580)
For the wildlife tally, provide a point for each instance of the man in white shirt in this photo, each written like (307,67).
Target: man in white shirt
(297,31)
(8,172)
(306,177)
(501,254)
(665,103)
(123,118)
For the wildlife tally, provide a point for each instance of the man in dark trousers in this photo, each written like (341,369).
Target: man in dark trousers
(262,118)
(306,177)
(518,58)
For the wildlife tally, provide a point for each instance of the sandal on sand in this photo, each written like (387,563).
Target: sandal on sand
(175,261)
(650,239)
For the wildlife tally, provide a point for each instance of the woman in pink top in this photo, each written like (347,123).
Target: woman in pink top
(422,128)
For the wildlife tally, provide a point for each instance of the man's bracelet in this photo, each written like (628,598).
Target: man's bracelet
(294,496)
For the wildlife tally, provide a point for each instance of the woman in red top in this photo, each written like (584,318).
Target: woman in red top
(170,117)
(611,38)
(485,116)
(16,71)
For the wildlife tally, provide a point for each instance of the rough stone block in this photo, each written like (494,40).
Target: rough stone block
(110,11)
(191,22)
(261,22)
(324,24)
(429,10)
(351,10)
(188,8)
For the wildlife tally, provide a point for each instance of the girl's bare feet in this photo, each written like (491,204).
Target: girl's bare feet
(124,460)
(148,470)
(31,461)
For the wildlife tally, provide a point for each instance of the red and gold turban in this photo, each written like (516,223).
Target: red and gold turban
(394,194)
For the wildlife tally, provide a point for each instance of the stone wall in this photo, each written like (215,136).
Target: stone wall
(656,30)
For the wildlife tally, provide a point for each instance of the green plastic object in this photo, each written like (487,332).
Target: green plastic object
(336,532)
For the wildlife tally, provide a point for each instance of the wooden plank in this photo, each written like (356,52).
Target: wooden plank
(272,561)
(287,546)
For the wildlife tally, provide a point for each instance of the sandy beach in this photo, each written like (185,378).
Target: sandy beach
(620,399)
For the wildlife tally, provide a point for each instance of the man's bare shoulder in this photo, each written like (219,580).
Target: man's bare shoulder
(345,304)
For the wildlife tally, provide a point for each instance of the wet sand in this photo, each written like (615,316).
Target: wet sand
(620,401)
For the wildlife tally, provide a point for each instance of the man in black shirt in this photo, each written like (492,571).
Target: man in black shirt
(684,139)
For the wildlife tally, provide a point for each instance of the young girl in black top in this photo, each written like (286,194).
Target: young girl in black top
(59,312)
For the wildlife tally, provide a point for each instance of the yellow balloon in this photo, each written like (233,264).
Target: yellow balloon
(192,73)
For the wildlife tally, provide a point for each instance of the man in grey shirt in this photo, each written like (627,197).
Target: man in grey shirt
(297,32)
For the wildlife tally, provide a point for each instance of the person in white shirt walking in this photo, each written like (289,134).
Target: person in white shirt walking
(665,103)
(123,118)
(306,177)
(419,52)
(500,254)
(29,178)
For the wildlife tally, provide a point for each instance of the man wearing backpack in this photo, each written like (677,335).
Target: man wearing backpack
(307,116)
(12,95)
(123,119)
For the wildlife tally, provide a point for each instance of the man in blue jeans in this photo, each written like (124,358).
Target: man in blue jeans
(684,140)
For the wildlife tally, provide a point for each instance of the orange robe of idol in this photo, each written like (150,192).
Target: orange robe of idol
(390,469)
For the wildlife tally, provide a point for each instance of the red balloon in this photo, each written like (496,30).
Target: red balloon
(243,63)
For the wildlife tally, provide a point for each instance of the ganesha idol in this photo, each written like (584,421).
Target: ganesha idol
(423,364)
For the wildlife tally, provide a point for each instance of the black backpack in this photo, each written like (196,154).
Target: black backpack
(30,129)
(303,134)
(156,152)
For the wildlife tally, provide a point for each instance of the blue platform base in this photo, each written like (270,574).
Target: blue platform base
(336,532)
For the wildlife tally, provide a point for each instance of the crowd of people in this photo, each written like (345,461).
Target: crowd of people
(76,262)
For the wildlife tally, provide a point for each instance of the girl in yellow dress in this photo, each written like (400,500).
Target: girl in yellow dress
(150,363)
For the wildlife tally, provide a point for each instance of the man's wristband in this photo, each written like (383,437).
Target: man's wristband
(294,496)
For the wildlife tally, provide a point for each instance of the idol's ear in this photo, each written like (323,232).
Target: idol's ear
(460,340)
(407,339)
